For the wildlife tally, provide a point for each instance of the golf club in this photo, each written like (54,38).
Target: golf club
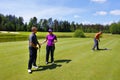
(39,57)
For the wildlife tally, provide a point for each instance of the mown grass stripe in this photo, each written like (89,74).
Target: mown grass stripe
(85,64)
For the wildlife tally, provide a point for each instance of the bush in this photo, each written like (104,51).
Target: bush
(115,28)
(79,33)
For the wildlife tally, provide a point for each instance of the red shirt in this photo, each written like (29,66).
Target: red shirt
(97,36)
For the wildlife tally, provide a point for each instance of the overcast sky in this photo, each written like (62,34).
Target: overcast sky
(79,11)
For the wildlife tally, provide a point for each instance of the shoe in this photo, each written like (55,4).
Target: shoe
(46,63)
(29,71)
(98,49)
(53,62)
(36,67)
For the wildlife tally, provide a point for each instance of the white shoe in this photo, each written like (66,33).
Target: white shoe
(53,62)
(29,71)
(46,63)
(36,67)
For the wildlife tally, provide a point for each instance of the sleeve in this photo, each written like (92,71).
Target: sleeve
(31,38)
(37,40)
(47,37)
(55,37)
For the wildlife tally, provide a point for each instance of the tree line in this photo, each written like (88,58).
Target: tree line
(13,23)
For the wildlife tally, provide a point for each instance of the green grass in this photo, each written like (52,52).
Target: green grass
(10,37)
(74,60)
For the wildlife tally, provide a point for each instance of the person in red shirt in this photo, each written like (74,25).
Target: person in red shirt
(96,41)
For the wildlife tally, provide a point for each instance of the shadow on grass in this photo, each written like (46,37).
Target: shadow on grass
(63,61)
(104,49)
(52,66)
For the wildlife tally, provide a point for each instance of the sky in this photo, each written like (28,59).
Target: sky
(79,11)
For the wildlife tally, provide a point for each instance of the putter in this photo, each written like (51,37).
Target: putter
(39,56)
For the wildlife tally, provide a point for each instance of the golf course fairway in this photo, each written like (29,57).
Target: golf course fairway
(74,60)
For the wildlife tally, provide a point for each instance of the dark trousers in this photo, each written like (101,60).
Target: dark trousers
(32,57)
(96,44)
(50,51)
